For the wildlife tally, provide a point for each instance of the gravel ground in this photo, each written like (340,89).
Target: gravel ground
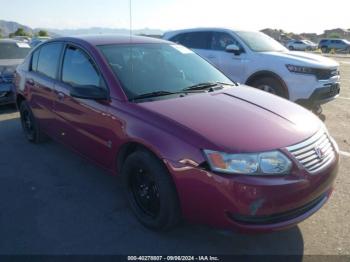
(54,202)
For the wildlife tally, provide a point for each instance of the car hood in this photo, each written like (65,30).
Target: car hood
(303,59)
(8,66)
(239,119)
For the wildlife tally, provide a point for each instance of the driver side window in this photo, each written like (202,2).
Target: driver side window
(78,69)
(221,40)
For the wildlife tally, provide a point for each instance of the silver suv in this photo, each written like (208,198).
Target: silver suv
(301,45)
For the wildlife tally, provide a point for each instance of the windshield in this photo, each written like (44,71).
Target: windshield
(14,50)
(145,68)
(259,42)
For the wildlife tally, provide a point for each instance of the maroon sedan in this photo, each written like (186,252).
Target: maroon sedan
(187,141)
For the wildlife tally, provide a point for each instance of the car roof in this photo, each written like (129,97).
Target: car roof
(327,39)
(10,41)
(97,40)
(188,30)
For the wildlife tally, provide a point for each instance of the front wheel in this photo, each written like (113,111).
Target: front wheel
(324,49)
(150,191)
(270,85)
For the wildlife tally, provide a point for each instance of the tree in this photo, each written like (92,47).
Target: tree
(334,35)
(43,33)
(19,32)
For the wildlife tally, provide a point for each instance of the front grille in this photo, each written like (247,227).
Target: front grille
(324,74)
(315,153)
(333,90)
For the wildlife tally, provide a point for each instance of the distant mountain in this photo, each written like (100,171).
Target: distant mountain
(10,27)
(103,30)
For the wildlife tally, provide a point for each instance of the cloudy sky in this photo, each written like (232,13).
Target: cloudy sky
(297,15)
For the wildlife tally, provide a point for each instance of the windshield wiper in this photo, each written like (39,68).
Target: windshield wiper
(162,93)
(192,89)
(209,86)
(202,86)
(228,84)
(153,94)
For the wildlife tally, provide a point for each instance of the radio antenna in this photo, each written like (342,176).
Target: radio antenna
(130,9)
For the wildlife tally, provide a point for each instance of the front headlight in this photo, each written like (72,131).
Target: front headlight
(266,163)
(300,69)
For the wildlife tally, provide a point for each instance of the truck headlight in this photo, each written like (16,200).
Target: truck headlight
(265,163)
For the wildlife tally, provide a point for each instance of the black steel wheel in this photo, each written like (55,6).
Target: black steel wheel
(30,126)
(150,191)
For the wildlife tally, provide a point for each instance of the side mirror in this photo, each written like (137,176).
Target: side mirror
(89,92)
(233,49)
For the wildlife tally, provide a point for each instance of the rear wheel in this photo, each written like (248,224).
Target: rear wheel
(30,125)
(150,191)
(270,85)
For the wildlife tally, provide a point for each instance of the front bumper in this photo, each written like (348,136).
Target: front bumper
(6,94)
(308,91)
(321,95)
(251,204)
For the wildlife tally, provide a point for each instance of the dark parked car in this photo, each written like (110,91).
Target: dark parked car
(341,45)
(12,53)
(187,141)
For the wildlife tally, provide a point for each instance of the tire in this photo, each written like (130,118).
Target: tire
(30,125)
(150,191)
(324,49)
(291,48)
(270,85)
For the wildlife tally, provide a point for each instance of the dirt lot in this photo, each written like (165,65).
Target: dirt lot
(54,202)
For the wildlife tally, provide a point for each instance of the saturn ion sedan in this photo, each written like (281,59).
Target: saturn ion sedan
(187,142)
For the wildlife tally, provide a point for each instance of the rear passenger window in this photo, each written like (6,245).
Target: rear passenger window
(195,40)
(49,59)
(78,69)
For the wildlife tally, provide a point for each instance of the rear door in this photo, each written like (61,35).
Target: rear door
(40,82)
(83,123)
(199,42)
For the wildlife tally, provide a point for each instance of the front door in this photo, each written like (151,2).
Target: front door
(232,65)
(84,123)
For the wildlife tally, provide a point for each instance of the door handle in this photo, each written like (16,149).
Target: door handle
(60,96)
(211,56)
